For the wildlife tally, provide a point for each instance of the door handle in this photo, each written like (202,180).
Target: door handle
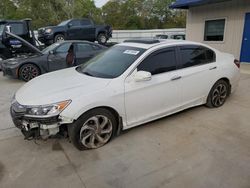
(176,78)
(212,68)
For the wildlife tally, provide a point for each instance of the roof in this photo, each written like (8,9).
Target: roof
(186,4)
(133,43)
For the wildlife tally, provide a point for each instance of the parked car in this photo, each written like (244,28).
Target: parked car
(111,92)
(75,29)
(50,59)
(177,36)
(11,47)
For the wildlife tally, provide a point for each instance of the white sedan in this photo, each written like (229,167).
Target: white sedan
(130,84)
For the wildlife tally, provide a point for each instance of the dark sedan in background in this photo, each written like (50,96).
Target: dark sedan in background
(50,59)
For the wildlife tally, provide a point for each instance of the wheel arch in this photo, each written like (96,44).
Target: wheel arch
(227,81)
(224,79)
(59,33)
(113,111)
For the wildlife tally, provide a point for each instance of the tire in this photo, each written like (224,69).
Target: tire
(59,38)
(102,38)
(89,131)
(218,94)
(28,72)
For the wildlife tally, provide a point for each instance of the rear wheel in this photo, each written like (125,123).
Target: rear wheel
(93,129)
(59,38)
(218,94)
(28,72)
(102,38)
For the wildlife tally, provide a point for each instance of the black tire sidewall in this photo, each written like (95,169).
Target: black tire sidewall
(99,38)
(74,128)
(209,99)
(23,66)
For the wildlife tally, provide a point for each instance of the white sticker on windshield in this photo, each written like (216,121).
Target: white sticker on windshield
(131,52)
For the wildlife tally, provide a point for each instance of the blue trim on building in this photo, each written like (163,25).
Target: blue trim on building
(185,4)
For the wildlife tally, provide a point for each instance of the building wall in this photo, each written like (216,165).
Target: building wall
(234,11)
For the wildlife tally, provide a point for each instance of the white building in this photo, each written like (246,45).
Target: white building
(222,24)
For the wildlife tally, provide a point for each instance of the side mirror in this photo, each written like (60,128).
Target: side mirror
(142,76)
(70,25)
(51,52)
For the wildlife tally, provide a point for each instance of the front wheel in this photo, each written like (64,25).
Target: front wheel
(93,129)
(218,94)
(102,38)
(59,38)
(28,72)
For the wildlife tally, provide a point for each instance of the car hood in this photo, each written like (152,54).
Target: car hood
(59,86)
(24,42)
(18,60)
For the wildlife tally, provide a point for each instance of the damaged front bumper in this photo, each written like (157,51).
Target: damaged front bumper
(34,127)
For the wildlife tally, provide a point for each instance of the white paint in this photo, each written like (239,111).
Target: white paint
(136,101)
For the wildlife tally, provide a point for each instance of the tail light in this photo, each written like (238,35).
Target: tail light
(237,63)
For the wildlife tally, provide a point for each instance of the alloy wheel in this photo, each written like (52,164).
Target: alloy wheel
(96,131)
(219,95)
(59,39)
(103,39)
(29,72)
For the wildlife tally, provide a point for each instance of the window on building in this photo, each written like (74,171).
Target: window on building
(192,55)
(159,62)
(214,30)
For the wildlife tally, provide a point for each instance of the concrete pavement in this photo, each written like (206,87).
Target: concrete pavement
(198,148)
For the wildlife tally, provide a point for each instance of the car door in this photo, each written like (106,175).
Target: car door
(74,31)
(57,59)
(87,30)
(147,100)
(84,52)
(198,71)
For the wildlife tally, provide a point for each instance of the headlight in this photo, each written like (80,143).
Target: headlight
(48,30)
(47,110)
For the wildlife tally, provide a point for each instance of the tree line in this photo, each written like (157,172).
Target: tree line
(120,14)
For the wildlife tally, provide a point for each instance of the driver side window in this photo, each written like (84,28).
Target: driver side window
(159,62)
(63,48)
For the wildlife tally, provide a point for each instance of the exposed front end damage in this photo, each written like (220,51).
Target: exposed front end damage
(37,127)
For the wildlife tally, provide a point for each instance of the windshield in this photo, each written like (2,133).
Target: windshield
(111,63)
(1,28)
(63,23)
(50,48)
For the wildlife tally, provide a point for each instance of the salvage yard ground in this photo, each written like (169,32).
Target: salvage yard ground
(197,148)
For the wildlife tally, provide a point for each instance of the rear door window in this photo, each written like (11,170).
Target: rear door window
(75,23)
(86,22)
(192,55)
(159,62)
(83,47)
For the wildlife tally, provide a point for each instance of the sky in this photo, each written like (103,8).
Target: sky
(100,3)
